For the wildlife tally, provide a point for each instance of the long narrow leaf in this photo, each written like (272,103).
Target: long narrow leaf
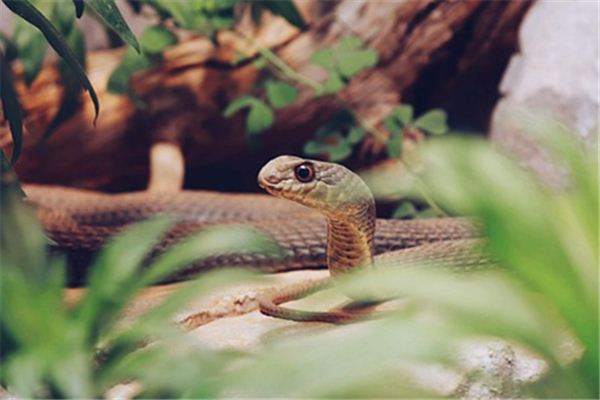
(79,6)
(112,16)
(11,107)
(113,281)
(27,11)
(72,88)
(31,48)
(287,10)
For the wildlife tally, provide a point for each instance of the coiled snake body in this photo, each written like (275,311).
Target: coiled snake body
(348,205)
(80,222)
(332,225)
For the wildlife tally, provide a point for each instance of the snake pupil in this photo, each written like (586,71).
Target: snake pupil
(304,172)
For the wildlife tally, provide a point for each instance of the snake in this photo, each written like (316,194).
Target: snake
(80,222)
(348,206)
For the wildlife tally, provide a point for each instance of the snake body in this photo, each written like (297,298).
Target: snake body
(349,208)
(80,222)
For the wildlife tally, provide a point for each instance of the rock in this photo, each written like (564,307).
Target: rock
(556,74)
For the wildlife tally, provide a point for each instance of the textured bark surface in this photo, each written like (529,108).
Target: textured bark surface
(429,54)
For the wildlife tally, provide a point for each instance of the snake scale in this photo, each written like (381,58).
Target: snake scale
(80,222)
(329,222)
(349,207)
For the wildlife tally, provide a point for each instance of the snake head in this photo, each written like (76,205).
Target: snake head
(327,187)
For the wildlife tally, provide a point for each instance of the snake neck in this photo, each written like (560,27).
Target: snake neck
(350,236)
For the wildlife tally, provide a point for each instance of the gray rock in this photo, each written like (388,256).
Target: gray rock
(555,74)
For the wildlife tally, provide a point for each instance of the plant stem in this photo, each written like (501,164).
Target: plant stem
(274,59)
(292,74)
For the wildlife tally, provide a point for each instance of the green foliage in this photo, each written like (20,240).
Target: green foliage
(157,38)
(280,94)
(154,40)
(50,349)
(79,7)
(28,12)
(11,107)
(546,245)
(260,116)
(132,62)
(401,119)
(343,61)
(284,8)
(30,43)
(111,15)
(335,140)
(39,20)
(203,16)
(548,240)
(405,210)
(63,18)
(546,285)
(433,121)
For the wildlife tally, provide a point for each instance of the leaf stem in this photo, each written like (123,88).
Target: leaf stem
(274,59)
(292,74)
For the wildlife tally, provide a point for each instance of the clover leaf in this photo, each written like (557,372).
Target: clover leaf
(259,118)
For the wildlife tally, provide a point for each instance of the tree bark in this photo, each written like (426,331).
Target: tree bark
(186,94)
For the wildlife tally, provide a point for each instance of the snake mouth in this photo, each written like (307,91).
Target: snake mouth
(269,188)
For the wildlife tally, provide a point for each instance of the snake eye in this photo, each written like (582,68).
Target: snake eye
(305,172)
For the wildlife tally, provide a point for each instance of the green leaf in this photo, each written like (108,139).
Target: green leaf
(433,121)
(31,48)
(64,19)
(71,85)
(391,124)
(79,6)
(112,16)
(9,47)
(216,240)
(28,12)
(11,107)
(174,9)
(286,9)
(324,58)
(259,118)
(132,62)
(352,62)
(347,59)
(405,210)
(237,104)
(156,38)
(356,134)
(340,151)
(351,42)
(280,94)
(394,145)
(404,113)
(114,275)
(427,213)
(333,84)
(9,183)
(315,148)
(200,17)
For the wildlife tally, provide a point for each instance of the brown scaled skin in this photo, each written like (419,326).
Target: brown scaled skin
(350,217)
(347,203)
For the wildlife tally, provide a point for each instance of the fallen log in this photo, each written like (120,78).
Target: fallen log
(420,44)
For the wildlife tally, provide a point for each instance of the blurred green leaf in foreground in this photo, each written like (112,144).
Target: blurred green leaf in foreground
(545,289)
(50,350)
